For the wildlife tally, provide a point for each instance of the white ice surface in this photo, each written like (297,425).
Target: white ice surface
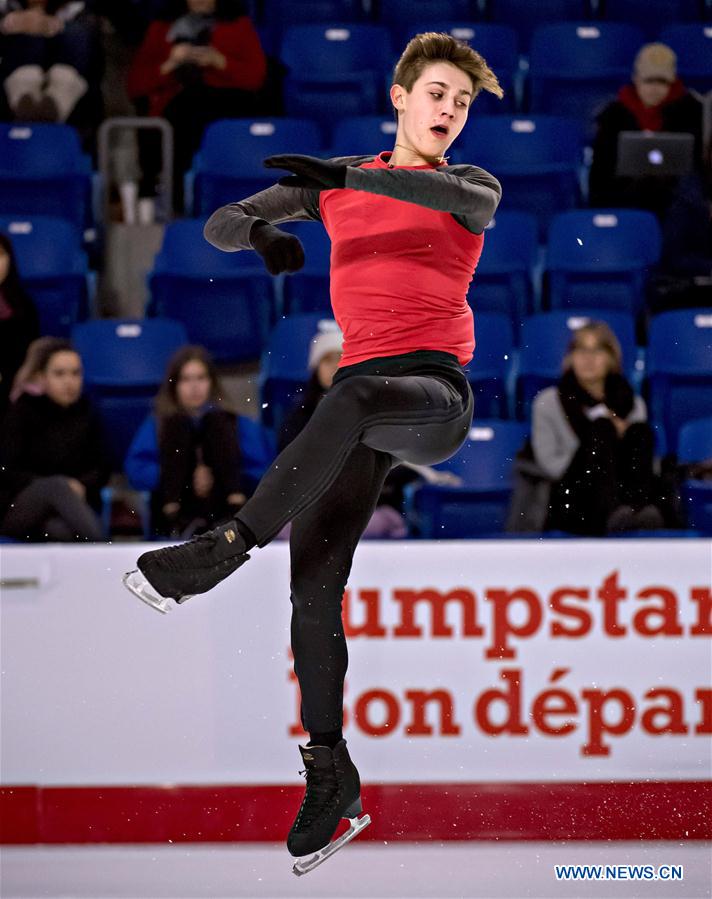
(396,871)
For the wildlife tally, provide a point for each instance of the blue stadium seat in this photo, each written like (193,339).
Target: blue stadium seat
(544,340)
(124,364)
(536,158)
(679,370)
(525,17)
(363,135)
(44,172)
(284,367)
(308,289)
(225,300)
(503,281)
(599,258)
(575,68)
(229,165)
(693,46)
(651,15)
(479,506)
(277,15)
(496,43)
(490,365)
(335,66)
(53,268)
(395,12)
(695,445)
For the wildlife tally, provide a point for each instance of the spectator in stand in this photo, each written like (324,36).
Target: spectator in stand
(51,60)
(29,378)
(656,100)
(19,322)
(198,478)
(590,438)
(52,462)
(205,64)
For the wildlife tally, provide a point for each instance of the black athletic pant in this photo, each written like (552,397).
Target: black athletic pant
(327,482)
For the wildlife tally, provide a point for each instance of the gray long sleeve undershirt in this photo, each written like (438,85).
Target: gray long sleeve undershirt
(469,193)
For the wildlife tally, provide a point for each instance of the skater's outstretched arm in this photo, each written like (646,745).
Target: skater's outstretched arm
(466,191)
(234,226)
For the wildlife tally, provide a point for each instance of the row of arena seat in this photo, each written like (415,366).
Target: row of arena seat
(125,363)
(593,259)
(274,16)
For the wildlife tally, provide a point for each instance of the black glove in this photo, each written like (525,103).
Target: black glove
(310,172)
(280,251)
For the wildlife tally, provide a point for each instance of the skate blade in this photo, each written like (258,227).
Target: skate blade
(308,863)
(136,582)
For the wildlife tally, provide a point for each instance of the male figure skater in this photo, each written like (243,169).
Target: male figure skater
(406,232)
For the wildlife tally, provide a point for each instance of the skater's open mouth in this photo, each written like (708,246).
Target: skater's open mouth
(440,130)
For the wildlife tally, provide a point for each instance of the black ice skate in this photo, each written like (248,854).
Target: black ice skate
(333,792)
(179,572)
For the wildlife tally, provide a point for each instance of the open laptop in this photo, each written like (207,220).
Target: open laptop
(642,154)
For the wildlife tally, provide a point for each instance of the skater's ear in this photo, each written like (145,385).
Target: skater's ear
(398,93)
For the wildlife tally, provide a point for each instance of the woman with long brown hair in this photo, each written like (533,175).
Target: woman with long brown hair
(591,437)
(198,449)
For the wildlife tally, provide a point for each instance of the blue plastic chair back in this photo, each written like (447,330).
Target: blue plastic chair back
(503,281)
(396,12)
(488,370)
(479,506)
(284,367)
(225,300)
(229,165)
(652,15)
(600,258)
(545,339)
(335,66)
(694,442)
(536,158)
(308,290)
(53,268)
(679,369)
(575,68)
(124,364)
(363,135)
(525,17)
(693,46)
(44,172)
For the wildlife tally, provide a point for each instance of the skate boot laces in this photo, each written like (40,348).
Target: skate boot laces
(322,791)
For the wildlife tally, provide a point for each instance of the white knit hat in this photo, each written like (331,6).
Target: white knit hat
(326,340)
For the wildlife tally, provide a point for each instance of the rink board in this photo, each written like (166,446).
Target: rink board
(494,689)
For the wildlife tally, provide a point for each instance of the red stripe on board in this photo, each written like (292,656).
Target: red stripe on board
(675,810)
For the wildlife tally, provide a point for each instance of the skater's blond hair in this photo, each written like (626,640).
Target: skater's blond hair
(431,46)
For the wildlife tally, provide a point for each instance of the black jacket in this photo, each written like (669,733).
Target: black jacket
(605,189)
(41,438)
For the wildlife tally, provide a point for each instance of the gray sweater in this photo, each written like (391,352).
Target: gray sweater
(554,441)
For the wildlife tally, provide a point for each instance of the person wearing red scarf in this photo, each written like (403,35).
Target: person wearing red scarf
(655,100)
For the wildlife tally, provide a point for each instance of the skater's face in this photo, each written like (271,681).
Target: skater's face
(590,360)
(62,378)
(193,387)
(326,369)
(433,114)
(201,7)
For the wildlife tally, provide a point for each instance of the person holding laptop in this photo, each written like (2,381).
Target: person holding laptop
(656,100)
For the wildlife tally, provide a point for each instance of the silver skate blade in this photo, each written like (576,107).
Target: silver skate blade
(136,582)
(308,863)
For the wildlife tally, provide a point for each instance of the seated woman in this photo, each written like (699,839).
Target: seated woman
(199,464)
(655,100)
(19,321)
(52,462)
(591,438)
(205,63)
(51,59)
